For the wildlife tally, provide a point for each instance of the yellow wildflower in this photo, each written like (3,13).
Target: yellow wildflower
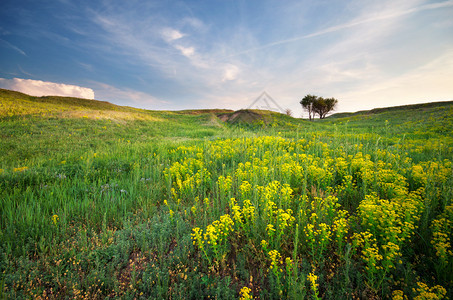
(398,295)
(245,293)
(55,219)
(20,169)
(424,292)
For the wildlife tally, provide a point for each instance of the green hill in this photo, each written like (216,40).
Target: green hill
(19,104)
(397,109)
(35,126)
(104,201)
(423,120)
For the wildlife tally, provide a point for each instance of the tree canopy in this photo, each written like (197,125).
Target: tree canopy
(318,105)
(307,103)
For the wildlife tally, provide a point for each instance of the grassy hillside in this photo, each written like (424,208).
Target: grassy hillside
(396,109)
(103,201)
(425,118)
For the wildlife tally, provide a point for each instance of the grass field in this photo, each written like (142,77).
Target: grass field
(102,201)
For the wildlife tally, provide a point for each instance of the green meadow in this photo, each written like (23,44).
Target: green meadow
(102,201)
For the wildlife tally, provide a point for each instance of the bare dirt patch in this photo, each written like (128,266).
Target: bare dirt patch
(246,116)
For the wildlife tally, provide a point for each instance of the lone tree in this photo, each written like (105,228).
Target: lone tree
(307,103)
(318,105)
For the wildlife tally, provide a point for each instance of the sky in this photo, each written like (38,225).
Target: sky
(174,55)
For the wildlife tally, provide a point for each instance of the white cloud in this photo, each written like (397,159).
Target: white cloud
(128,97)
(231,72)
(186,51)
(46,88)
(184,57)
(169,34)
(361,49)
(194,23)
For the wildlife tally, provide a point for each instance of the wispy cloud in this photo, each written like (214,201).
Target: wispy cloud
(179,55)
(15,48)
(46,88)
(357,52)
(370,52)
(361,20)
(170,34)
(231,72)
(186,51)
(195,56)
(378,16)
(127,96)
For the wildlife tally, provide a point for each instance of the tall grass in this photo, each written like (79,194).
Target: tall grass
(180,205)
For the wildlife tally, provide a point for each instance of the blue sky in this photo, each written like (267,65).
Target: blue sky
(223,54)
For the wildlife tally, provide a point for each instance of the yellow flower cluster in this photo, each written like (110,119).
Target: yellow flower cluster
(312,278)
(398,295)
(55,219)
(391,220)
(363,166)
(243,217)
(215,237)
(275,259)
(284,219)
(289,265)
(325,208)
(370,251)
(317,237)
(442,229)
(320,235)
(186,177)
(340,228)
(245,189)
(278,182)
(183,151)
(390,183)
(224,184)
(20,169)
(424,292)
(245,294)
(279,221)
(248,212)
(325,220)
(390,252)
(237,215)
(419,176)
(197,238)
(438,172)
(253,172)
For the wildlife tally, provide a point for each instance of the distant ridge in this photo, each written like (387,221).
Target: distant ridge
(81,102)
(14,103)
(230,116)
(392,109)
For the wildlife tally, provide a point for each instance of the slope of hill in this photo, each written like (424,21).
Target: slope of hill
(424,120)
(395,109)
(35,126)
(103,201)
(19,104)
